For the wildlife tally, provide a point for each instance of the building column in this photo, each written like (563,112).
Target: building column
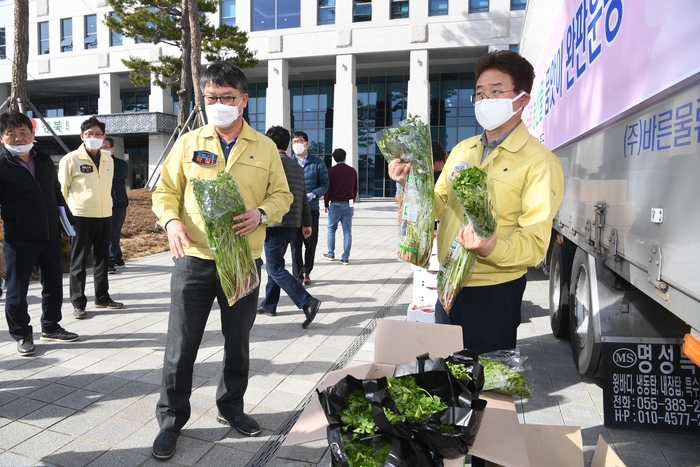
(345,108)
(419,86)
(278,92)
(160,100)
(4,94)
(156,146)
(109,101)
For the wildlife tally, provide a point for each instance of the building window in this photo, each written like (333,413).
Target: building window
(326,12)
(361,11)
(276,14)
(66,106)
(452,117)
(399,9)
(437,8)
(134,101)
(43,38)
(478,6)
(311,104)
(514,48)
(228,12)
(3,47)
(66,35)
(256,109)
(518,4)
(115,38)
(381,102)
(91,32)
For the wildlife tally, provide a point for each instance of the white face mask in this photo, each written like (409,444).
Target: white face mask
(19,150)
(93,144)
(298,148)
(492,114)
(222,115)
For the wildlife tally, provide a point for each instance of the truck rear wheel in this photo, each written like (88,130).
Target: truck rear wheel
(585,346)
(559,277)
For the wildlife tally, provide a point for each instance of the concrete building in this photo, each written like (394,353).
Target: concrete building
(340,70)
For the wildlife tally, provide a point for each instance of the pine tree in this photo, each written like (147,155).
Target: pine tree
(168,22)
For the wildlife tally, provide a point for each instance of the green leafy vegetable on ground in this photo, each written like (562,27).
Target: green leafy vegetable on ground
(414,402)
(364,455)
(411,143)
(501,378)
(459,371)
(219,201)
(471,187)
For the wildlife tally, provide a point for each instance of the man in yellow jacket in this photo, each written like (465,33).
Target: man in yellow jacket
(86,180)
(227,144)
(529,186)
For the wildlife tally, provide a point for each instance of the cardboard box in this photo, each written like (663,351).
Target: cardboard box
(424,278)
(501,439)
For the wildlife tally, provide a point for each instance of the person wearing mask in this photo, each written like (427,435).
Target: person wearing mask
(120,201)
(86,181)
(316,178)
(339,201)
(30,203)
(227,144)
(279,236)
(529,186)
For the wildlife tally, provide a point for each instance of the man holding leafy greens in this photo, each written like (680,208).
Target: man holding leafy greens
(227,144)
(528,186)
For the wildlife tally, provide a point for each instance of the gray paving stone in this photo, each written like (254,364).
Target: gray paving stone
(224,456)
(119,458)
(79,399)
(51,392)
(14,433)
(48,415)
(42,444)
(77,453)
(10,459)
(78,424)
(20,407)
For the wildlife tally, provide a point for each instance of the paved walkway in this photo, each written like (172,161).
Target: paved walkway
(92,402)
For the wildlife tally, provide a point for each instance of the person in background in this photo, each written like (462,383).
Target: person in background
(227,144)
(279,236)
(439,158)
(86,180)
(339,201)
(120,201)
(316,178)
(30,197)
(529,186)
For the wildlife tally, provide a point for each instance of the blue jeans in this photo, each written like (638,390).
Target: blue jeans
(340,212)
(276,242)
(193,287)
(21,256)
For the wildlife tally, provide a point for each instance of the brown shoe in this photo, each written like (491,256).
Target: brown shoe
(307,280)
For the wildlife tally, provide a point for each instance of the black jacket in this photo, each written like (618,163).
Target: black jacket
(29,205)
(121,170)
(299,214)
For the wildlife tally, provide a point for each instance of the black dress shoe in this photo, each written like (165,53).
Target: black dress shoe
(164,444)
(243,424)
(111,304)
(310,311)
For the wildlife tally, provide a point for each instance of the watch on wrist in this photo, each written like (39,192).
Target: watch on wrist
(263,216)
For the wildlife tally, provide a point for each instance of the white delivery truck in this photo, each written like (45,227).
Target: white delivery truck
(617,99)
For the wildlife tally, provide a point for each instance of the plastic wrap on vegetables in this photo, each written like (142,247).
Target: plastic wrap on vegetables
(474,191)
(219,201)
(411,142)
(503,373)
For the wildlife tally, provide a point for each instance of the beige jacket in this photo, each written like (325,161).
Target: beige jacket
(87,189)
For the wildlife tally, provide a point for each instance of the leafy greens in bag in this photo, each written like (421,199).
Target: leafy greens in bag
(219,201)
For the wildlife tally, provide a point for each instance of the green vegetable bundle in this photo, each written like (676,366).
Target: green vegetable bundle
(366,455)
(475,194)
(411,143)
(219,201)
(501,378)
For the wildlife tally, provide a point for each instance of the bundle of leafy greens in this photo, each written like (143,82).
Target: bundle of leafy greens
(501,378)
(219,201)
(364,455)
(475,194)
(414,402)
(411,143)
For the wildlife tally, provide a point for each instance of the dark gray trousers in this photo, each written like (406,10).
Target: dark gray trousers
(193,287)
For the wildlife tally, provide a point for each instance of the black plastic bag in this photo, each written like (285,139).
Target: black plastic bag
(474,382)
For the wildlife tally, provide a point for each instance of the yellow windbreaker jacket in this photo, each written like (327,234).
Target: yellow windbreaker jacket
(87,189)
(255,164)
(529,186)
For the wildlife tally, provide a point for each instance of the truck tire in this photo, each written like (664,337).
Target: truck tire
(559,276)
(585,345)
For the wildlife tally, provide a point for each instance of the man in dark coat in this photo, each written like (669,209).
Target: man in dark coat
(120,201)
(281,234)
(30,197)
